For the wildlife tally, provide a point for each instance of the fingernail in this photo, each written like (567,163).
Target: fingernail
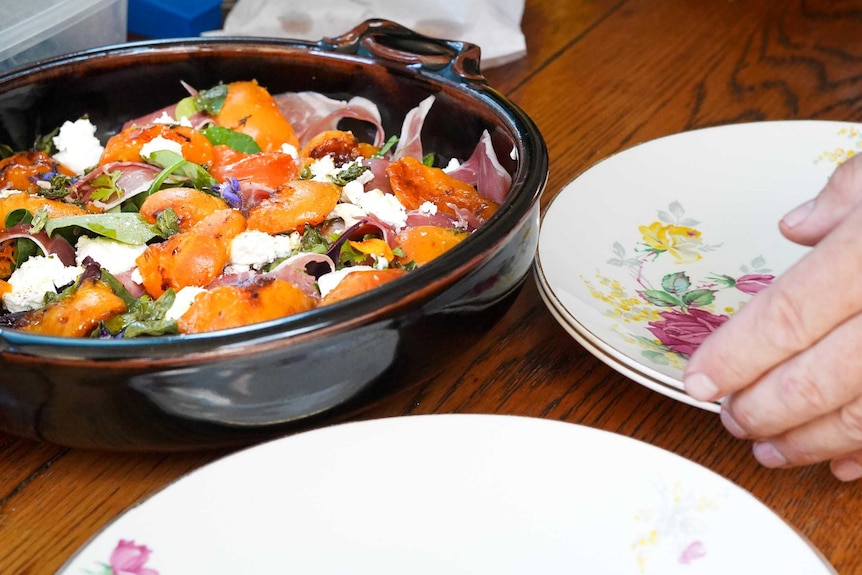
(700,387)
(798,214)
(768,455)
(846,469)
(731,425)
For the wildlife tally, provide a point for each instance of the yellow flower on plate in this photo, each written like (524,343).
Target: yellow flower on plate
(681,242)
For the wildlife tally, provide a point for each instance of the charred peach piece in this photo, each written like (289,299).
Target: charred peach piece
(299,203)
(21,171)
(421,244)
(77,314)
(250,109)
(126,146)
(229,306)
(359,282)
(34,202)
(190,205)
(414,183)
(192,258)
(342,146)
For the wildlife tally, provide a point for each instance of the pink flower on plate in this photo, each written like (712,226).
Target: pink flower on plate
(694,551)
(753,283)
(130,559)
(683,332)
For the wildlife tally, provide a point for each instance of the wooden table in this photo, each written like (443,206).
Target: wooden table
(600,76)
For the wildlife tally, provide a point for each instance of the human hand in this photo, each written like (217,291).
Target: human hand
(789,363)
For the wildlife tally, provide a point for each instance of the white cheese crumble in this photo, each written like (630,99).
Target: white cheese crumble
(290,150)
(158,144)
(167,120)
(380,263)
(357,185)
(183,301)
(6,193)
(36,277)
(349,213)
(429,208)
(385,206)
(323,168)
(327,282)
(255,249)
(114,256)
(78,148)
(453,165)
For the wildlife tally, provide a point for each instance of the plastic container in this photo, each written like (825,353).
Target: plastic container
(32,30)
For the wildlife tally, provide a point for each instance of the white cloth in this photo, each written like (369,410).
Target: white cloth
(494,25)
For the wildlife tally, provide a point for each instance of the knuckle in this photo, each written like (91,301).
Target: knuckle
(801,389)
(784,321)
(799,451)
(851,420)
(745,416)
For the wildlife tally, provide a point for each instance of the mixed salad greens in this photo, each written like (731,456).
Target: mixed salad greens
(229,207)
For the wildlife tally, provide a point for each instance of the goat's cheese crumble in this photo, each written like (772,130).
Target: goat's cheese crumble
(36,277)
(327,282)
(78,148)
(387,207)
(158,144)
(255,249)
(114,256)
(183,301)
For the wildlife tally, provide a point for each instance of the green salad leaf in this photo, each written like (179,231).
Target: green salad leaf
(174,165)
(125,227)
(145,316)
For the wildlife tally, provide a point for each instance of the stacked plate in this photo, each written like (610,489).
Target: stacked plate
(648,251)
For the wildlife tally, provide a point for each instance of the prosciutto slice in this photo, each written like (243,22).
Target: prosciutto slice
(301,270)
(311,113)
(483,170)
(56,245)
(409,143)
(135,178)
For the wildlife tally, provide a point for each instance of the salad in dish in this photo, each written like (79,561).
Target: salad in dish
(229,207)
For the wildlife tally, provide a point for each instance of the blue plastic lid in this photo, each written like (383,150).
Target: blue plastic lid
(174,18)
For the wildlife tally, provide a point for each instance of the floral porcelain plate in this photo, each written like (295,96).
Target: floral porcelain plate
(450,494)
(648,251)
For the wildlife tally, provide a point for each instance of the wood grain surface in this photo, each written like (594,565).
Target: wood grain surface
(599,76)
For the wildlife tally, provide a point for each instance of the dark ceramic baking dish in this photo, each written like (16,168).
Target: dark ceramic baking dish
(242,385)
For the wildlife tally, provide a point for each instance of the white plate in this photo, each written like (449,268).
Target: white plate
(454,494)
(685,222)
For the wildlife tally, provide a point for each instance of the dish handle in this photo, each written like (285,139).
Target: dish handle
(386,40)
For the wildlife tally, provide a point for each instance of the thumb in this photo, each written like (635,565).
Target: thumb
(808,223)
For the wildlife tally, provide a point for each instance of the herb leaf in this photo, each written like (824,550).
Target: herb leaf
(221,136)
(348,174)
(105,186)
(168,223)
(212,100)
(386,147)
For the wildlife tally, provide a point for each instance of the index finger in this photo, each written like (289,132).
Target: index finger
(816,294)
